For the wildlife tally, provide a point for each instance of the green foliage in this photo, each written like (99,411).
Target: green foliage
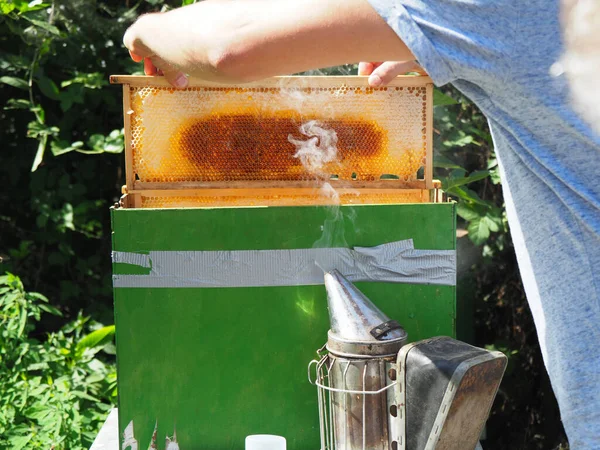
(63,120)
(56,390)
(463,145)
(45,27)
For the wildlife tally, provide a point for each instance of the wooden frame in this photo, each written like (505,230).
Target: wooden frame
(428,174)
(276,82)
(129,176)
(224,188)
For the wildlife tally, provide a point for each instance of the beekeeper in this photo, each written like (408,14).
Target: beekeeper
(507,56)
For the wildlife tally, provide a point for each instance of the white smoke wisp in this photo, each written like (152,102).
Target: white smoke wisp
(581,59)
(333,228)
(319,149)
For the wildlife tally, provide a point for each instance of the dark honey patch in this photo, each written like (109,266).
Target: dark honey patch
(257,147)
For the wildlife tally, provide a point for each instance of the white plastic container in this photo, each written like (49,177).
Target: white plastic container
(265,442)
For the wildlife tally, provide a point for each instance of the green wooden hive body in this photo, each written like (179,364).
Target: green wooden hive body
(219,364)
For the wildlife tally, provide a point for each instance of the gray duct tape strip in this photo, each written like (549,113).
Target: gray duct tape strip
(137,259)
(395,262)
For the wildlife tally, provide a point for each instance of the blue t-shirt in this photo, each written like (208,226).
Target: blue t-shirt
(499,54)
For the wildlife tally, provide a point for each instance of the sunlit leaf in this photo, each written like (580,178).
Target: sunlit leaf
(17,103)
(39,155)
(6,7)
(467,212)
(95,339)
(467,195)
(18,83)
(85,396)
(19,442)
(478,231)
(50,309)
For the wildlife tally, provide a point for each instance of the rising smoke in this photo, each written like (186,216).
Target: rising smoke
(318,150)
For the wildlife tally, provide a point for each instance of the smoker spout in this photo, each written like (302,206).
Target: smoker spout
(358,327)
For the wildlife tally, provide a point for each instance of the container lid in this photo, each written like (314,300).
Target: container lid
(358,327)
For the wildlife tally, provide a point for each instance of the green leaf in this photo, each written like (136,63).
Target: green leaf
(19,83)
(50,309)
(22,322)
(37,129)
(37,412)
(493,221)
(443,162)
(39,156)
(467,195)
(478,231)
(85,396)
(6,7)
(96,141)
(94,80)
(467,212)
(49,88)
(18,442)
(60,147)
(44,25)
(95,339)
(441,99)
(35,5)
(17,103)
(37,366)
(495,175)
(474,176)
(460,139)
(37,296)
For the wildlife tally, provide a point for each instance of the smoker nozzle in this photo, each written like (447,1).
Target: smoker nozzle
(358,327)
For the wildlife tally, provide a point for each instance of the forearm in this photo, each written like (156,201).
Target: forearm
(244,40)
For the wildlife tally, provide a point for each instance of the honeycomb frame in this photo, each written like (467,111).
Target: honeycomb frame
(222,116)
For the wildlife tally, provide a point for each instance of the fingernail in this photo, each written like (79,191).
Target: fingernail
(181,81)
(375,80)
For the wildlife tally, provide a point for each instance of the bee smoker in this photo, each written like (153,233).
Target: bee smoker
(376,392)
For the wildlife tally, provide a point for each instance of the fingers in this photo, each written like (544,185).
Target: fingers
(174,76)
(139,50)
(149,67)
(366,68)
(389,70)
(136,58)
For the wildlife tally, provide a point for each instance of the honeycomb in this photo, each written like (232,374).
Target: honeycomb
(206,134)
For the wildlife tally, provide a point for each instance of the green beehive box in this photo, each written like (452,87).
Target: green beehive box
(220,358)
(223,363)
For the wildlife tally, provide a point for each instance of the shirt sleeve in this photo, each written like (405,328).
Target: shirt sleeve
(456,39)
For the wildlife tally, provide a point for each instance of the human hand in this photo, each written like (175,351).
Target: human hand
(381,74)
(140,49)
